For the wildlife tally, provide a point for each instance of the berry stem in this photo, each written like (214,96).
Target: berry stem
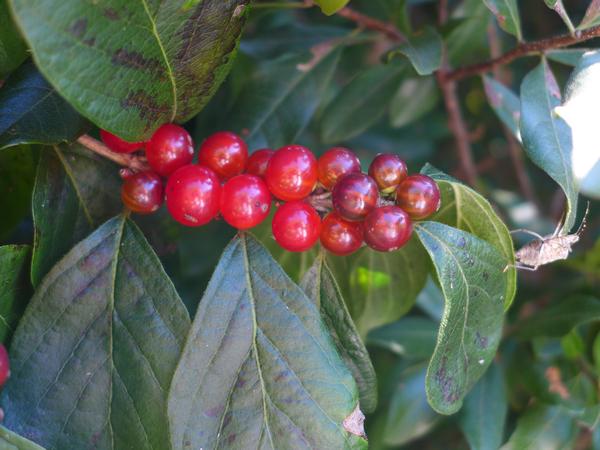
(135,163)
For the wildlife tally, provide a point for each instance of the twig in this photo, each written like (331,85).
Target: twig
(135,163)
(371,23)
(524,49)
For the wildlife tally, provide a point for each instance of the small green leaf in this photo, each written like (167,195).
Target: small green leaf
(414,98)
(592,16)
(507,14)
(543,427)
(259,369)
(378,287)
(424,50)
(330,7)
(470,272)
(75,191)
(15,290)
(93,356)
(17,176)
(506,104)
(547,138)
(567,56)
(410,337)
(31,111)
(281,98)
(320,286)
(465,209)
(578,111)
(409,415)
(361,103)
(12,441)
(133,66)
(559,7)
(560,318)
(483,416)
(13,50)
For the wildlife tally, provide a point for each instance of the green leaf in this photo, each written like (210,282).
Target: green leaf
(506,104)
(467,210)
(361,103)
(409,415)
(415,98)
(567,56)
(581,100)
(592,16)
(31,111)
(547,138)
(483,416)
(559,7)
(411,337)
(13,50)
(543,427)
(424,50)
(75,191)
(14,286)
(259,369)
(281,98)
(93,357)
(320,286)
(330,7)
(12,441)
(17,175)
(507,14)
(131,67)
(470,272)
(559,318)
(379,288)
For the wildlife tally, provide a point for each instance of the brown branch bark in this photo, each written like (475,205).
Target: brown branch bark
(524,49)
(133,162)
(371,23)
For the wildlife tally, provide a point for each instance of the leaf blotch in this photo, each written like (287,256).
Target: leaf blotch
(78,28)
(481,341)
(147,107)
(135,60)
(446,383)
(111,14)
(355,423)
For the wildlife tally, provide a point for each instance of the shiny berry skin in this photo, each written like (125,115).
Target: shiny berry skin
(388,171)
(4,365)
(292,173)
(334,164)
(118,145)
(258,162)
(419,196)
(142,192)
(387,228)
(355,196)
(193,195)
(296,226)
(245,201)
(339,236)
(169,148)
(225,153)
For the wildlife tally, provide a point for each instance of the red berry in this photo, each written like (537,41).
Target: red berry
(387,228)
(354,196)
(225,153)
(193,195)
(4,365)
(169,148)
(245,201)
(388,171)
(142,192)
(292,173)
(334,164)
(258,161)
(419,196)
(339,236)
(296,226)
(118,145)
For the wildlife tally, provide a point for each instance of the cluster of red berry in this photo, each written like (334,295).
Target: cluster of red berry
(377,208)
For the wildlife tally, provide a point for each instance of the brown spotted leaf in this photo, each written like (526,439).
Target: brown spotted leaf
(94,354)
(132,66)
(259,369)
(470,273)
